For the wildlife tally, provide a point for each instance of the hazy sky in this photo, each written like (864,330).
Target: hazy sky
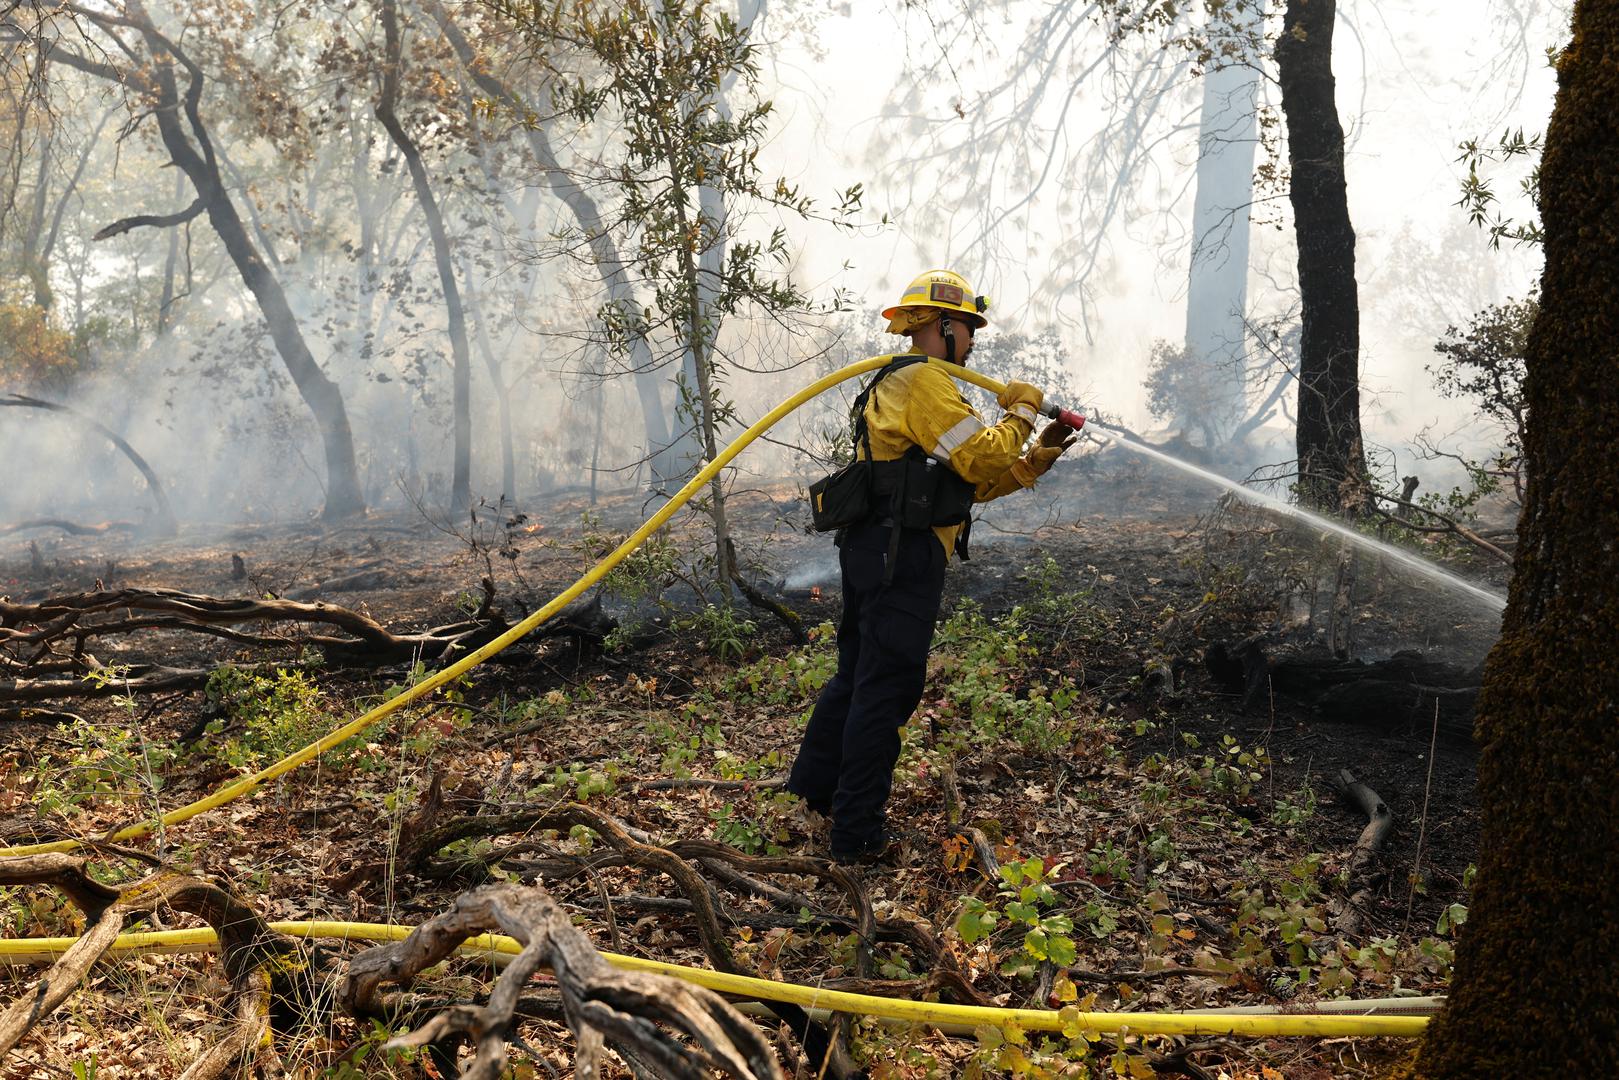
(1414,80)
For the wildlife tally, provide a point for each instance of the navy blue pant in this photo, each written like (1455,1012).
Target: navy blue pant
(845,766)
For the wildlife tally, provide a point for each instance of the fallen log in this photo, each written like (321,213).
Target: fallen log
(44,646)
(355,581)
(1358,875)
(1394,693)
(72,528)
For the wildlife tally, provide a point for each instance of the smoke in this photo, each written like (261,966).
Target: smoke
(211,408)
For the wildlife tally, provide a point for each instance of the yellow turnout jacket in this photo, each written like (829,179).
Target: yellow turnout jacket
(921,405)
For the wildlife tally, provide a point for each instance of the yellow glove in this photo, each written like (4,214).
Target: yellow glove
(1023,401)
(1055,437)
(1059,435)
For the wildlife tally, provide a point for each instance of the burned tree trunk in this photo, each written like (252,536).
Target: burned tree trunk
(1328,442)
(1400,693)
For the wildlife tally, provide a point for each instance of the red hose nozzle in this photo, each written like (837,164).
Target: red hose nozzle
(1065,416)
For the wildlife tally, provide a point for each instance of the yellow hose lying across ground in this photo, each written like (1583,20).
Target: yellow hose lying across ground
(921,1012)
(45,949)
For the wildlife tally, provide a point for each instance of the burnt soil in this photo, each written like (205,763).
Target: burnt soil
(1119,592)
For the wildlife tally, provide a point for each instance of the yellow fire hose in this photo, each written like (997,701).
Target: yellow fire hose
(43,949)
(921,1012)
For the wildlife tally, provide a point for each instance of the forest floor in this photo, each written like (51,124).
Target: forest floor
(1178,846)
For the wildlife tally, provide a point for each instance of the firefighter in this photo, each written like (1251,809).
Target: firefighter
(926,445)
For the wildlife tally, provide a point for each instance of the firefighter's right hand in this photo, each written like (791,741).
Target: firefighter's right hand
(1023,401)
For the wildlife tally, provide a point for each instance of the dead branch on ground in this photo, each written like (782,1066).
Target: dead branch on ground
(788,617)
(601,1004)
(257,960)
(1379,825)
(266,970)
(684,862)
(72,528)
(45,646)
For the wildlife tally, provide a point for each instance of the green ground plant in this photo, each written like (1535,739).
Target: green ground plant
(726,633)
(262,716)
(1026,903)
(793,677)
(99,763)
(979,661)
(103,761)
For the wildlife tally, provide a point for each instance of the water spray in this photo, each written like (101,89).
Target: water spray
(1415,563)
(1492,600)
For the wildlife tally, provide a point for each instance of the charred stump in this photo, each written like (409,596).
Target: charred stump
(1397,693)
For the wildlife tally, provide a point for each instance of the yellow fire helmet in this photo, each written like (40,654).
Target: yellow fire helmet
(944,290)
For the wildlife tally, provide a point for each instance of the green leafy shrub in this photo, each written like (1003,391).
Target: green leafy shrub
(277,713)
(99,761)
(979,657)
(1025,903)
(725,633)
(794,678)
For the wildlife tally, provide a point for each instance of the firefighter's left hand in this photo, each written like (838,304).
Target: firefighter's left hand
(1057,436)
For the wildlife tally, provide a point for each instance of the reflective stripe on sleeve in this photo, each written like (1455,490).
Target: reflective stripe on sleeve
(1025,412)
(965,428)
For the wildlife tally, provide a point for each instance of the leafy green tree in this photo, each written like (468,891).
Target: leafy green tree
(1484,365)
(677,80)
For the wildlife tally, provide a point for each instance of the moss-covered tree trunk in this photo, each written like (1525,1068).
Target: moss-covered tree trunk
(1535,991)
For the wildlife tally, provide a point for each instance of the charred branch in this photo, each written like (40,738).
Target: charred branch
(683,862)
(51,637)
(602,1005)
(1379,826)
(253,954)
(789,618)
(650,1016)
(72,528)
(159,221)
(1402,689)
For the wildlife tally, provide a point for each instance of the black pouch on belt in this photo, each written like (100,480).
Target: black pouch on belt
(842,499)
(846,497)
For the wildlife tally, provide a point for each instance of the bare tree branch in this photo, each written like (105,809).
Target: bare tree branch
(160,221)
